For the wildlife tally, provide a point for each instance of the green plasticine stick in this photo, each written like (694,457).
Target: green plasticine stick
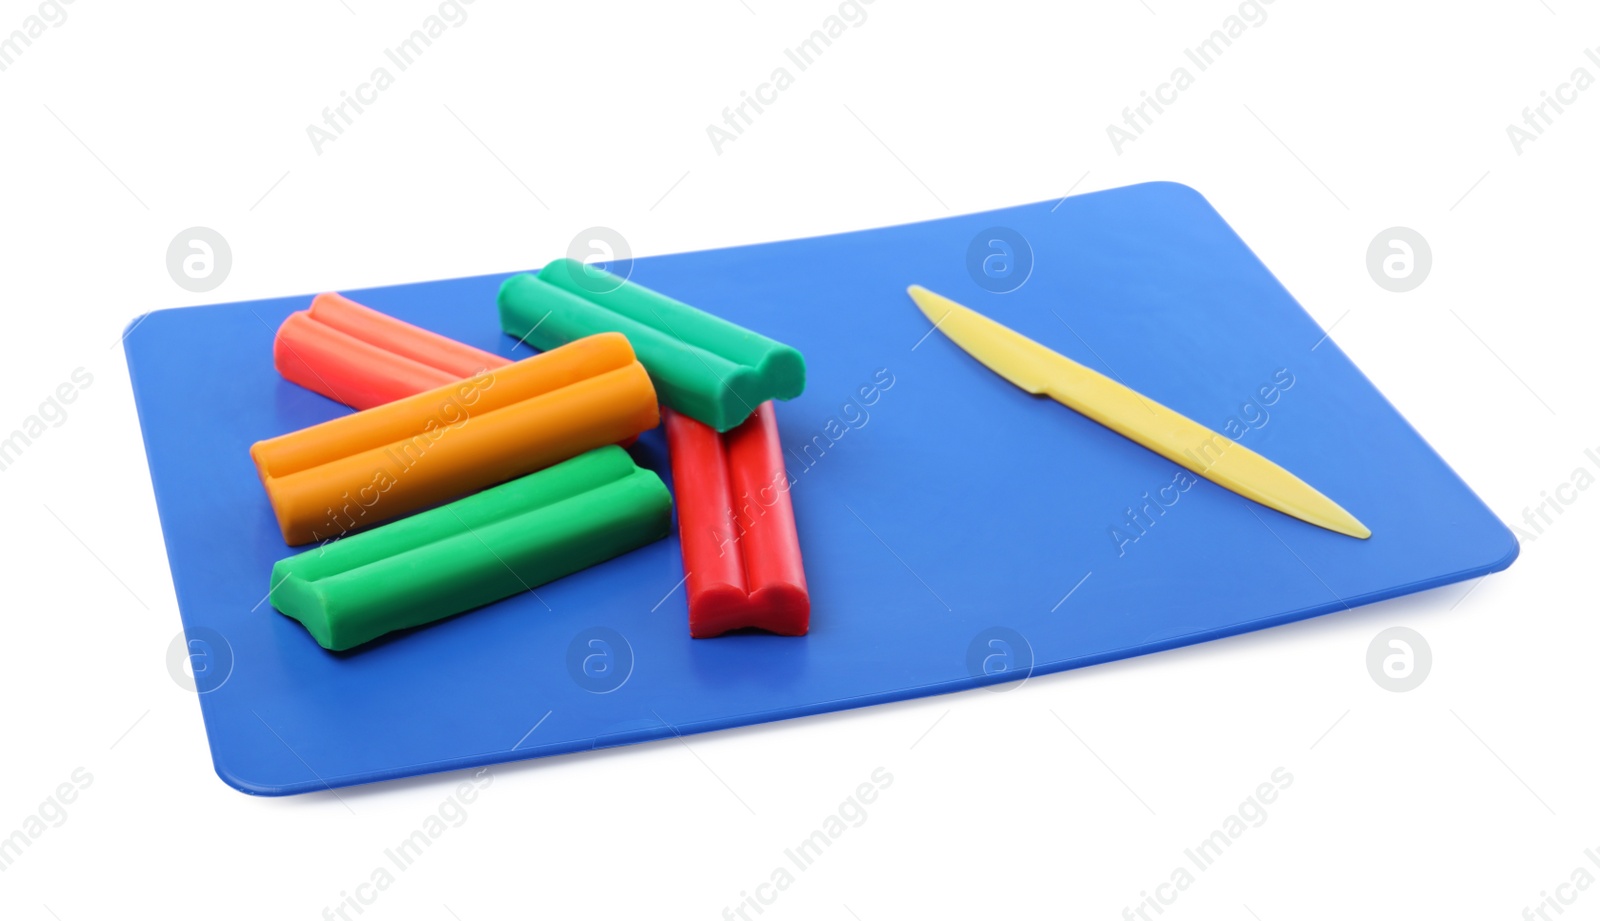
(488,546)
(703,366)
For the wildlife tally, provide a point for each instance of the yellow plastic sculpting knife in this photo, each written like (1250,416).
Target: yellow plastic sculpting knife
(1177,438)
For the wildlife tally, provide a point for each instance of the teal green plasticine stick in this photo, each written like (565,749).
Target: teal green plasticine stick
(504,540)
(703,366)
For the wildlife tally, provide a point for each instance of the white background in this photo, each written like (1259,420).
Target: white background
(1328,123)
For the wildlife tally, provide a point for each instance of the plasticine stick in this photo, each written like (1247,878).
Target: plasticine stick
(390,460)
(363,358)
(736,525)
(474,551)
(703,366)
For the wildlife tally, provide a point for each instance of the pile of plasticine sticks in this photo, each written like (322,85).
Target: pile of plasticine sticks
(463,477)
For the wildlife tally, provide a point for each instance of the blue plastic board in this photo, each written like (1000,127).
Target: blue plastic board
(956,531)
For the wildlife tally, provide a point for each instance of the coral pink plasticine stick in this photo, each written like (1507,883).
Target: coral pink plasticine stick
(363,358)
(736,525)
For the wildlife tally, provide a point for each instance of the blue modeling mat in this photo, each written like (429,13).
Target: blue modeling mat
(956,531)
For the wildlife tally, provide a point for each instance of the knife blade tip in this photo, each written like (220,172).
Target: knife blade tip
(928,302)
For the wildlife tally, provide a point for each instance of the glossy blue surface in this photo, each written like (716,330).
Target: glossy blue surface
(952,511)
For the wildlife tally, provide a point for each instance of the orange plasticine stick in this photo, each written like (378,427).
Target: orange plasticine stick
(363,358)
(390,460)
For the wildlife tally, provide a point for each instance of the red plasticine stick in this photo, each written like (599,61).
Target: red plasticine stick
(363,358)
(736,526)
